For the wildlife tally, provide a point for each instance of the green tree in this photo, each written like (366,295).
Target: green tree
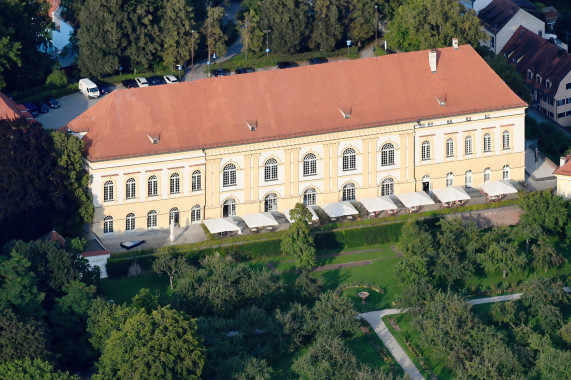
(288,22)
(333,316)
(104,318)
(32,369)
(426,24)
(9,54)
(160,345)
(250,34)
(101,36)
(18,289)
(56,79)
(503,312)
(326,26)
(298,241)
(294,324)
(176,26)
(255,369)
(551,363)
(143,33)
(545,255)
(80,209)
(212,31)
(501,253)
(544,209)
(22,338)
(145,300)
(510,75)
(167,262)
(538,292)
(362,20)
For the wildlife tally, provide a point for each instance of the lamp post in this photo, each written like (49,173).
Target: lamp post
(267,43)
(376,27)
(348,46)
(192,53)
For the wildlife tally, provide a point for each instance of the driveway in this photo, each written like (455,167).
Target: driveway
(71,106)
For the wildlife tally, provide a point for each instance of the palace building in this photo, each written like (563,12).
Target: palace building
(318,134)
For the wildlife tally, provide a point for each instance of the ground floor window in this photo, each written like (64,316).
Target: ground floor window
(271,202)
(108,225)
(468,179)
(152,220)
(195,214)
(130,222)
(229,208)
(487,174)
(388,187)
(310,197)
(506,172)
(449,179)
(174,216)
(349,192)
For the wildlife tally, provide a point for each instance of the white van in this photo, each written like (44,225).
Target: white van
(88,88)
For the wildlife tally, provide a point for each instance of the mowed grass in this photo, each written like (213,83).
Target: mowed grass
(122,290)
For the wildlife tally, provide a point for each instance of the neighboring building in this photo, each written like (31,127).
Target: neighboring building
(551,15)
(501,18)
(546,70)
(318,134)
(9,109)
(563,175)
(61,33)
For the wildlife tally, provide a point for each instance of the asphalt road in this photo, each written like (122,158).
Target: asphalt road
(71,106)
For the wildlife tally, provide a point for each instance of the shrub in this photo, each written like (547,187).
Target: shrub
(56,79)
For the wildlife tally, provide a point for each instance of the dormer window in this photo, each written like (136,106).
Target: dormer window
(529,74)
(547,84)
(538,78)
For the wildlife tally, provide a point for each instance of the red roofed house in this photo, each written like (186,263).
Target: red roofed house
(546,70)
(9,109)
(319,134)
(563,175)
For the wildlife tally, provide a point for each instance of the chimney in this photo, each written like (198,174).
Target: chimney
(455,43)
(432,60)
(561,161)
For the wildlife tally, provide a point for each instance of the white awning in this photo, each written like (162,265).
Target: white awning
(259,219)
(420,198)
(495,188)
(451,194)
(314,216)
(337,209)
(216,226)
(378,204)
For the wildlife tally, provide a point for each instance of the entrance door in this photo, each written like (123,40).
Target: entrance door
(225,211)
(426,186)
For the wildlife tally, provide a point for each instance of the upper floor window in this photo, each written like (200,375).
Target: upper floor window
(349,159)
(547,84)
(349,192)
(468,145)
(130,222)
(108,191)
(108,225)
(538,78)
(229,175)
(153,186)
(568,86)
(529,74)
(388,187)
(175,183)
(196,180)
(449,121)
(506,140)
(309,197)
(487,142)
(388,154)
(425,150)
(271,170)
(492,42)
(449,148)
(309,164)
(561,102)
(130,188)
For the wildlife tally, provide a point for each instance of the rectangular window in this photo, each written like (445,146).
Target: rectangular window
(529,74)
(561,115)
(568,86)
(561,102)
(568,100)
(538,78)
(568,113)
(487,116)
(492,41)
(550,114)
(430,123)
(449,121)
(468,118)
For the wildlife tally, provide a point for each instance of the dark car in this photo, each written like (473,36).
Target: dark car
(129,83)
(286,65)
(103,88)
(244,70)
(218,72)
(317,60)
(32,109)
(51,102)
(156,80)
(43,108)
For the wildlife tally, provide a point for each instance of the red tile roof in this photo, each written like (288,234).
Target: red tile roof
(294,102)
(540,56)
(9,109)
(54,5)
(565,169)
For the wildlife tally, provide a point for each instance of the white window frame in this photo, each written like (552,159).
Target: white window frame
(108,191)
(487,142)
(388,154)
(425,150)
(229,175)
(349,192)
(196,180)
(468,145)
(506,140)
(108,225)
(449,179)
(506,172)
(468,179)
(231,203)
(174,213)
(349,159)
(152,220)
(271,202)
(309,165)
(153,186)
(450,147)
(130,222)
(175,183)
(487,175)
(387,187)
(195,214)
(310,197)
(131,188)
(271,170)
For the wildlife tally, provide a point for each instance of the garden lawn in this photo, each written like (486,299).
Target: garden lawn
(122,290)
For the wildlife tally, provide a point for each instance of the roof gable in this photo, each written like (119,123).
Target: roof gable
(499,12)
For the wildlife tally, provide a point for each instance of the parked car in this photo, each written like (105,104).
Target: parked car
(142,82)
(32,109)
(244,70)
(218,73)
(103,88)
(43,108)
(51,102)
(170,79)
(129,83)
(286,65)
(156,80)
(317,60)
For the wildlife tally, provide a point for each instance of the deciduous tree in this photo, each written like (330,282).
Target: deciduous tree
(33,369)
(333,316)
(212,31)
(545,255)
(326,25)
(501,253)
(546,210)
(167,262)
(362,20)
(176,25)
(250,34)
(22,337)
(297,241)
(288,22)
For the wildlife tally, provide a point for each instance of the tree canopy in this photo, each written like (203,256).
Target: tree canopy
(297,241)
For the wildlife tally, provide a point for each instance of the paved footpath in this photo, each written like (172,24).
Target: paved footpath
(375,319)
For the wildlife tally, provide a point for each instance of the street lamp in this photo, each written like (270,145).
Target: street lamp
(192,52)
(267,43)
(376,27)
(348,45)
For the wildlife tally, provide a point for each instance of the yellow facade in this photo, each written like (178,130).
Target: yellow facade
(366,170)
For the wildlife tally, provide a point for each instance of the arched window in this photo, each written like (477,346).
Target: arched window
(271,202)
(309,164)
(388,187)
(196,180)
(195,214)
(468,179)
(108,225)
(487,174)
(108,191)
(229,207)
(153,186)
(229,175)
(174,216)
(506,139)
(349,192)
(387,154)
(349,159)
(130,222)
(468,145)
(506,172)
(426,150)
(271,170)
(487,142)
(310,197)
(152,220)
(130,188)
(175,183)
(449,179)
(449,148)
